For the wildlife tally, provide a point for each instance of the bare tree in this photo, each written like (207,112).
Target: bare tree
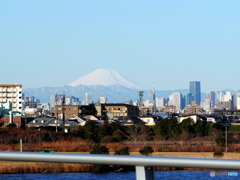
(214,133)
(53,135)
(133,132)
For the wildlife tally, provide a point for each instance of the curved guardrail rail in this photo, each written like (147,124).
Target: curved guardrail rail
(143,164)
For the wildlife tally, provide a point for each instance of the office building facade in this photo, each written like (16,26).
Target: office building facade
(212,98)
(195,89)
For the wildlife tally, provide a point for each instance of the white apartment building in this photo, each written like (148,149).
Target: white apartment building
(44,106)
(175,99)
(88,98)
(71,100)
(238,98)
(228,96)
(147,103)
(220,96)
(12,93)
(103,100)
(160,102)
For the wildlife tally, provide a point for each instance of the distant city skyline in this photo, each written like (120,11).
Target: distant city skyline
(168,43)
(108,78)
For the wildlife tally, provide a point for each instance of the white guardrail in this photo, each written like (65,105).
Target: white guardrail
(144,164)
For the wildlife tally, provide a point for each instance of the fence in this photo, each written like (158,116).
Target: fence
(144,164)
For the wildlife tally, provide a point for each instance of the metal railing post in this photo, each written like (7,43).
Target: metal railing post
(144,173)
(20,145)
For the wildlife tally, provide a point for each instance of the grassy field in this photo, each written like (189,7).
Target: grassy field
(235,128)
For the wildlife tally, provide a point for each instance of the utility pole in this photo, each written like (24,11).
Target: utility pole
(57,120)
(63,115)
(226,136)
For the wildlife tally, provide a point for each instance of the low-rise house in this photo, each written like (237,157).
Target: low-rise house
(42,122)
(81,121)
(97,122)
(193,117)
(214,119)
(130,120)
(70,122)
(150,120)
(51,122)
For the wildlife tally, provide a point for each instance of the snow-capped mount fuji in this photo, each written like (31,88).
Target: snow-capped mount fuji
(103,77)
(101,82)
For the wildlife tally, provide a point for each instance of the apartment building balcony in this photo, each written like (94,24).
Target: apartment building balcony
(86,111)
(118,111)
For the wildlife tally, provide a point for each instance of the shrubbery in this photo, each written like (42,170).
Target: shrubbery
(218,154)
(122,151)
(146,150)
(100,149)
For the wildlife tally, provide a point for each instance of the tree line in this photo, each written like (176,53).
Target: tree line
(166,129)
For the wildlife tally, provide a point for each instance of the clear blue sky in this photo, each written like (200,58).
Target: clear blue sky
(52,43)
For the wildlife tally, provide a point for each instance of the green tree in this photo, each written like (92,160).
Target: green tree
(160,130)
(80,132)
(220,141)
(104,130)
(109,139)
(100,149)
(217,126)
(167,128)
(147,134)
(200,128)
(115,126)
(90,131)
(146,150)
(11,125)
(187,125)
(216,133)
(218,154)
(122,151)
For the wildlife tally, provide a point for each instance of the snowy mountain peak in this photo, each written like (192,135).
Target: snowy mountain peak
(104,77)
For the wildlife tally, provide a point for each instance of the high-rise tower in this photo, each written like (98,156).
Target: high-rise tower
(212,98)
(195,89)
(151,97)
